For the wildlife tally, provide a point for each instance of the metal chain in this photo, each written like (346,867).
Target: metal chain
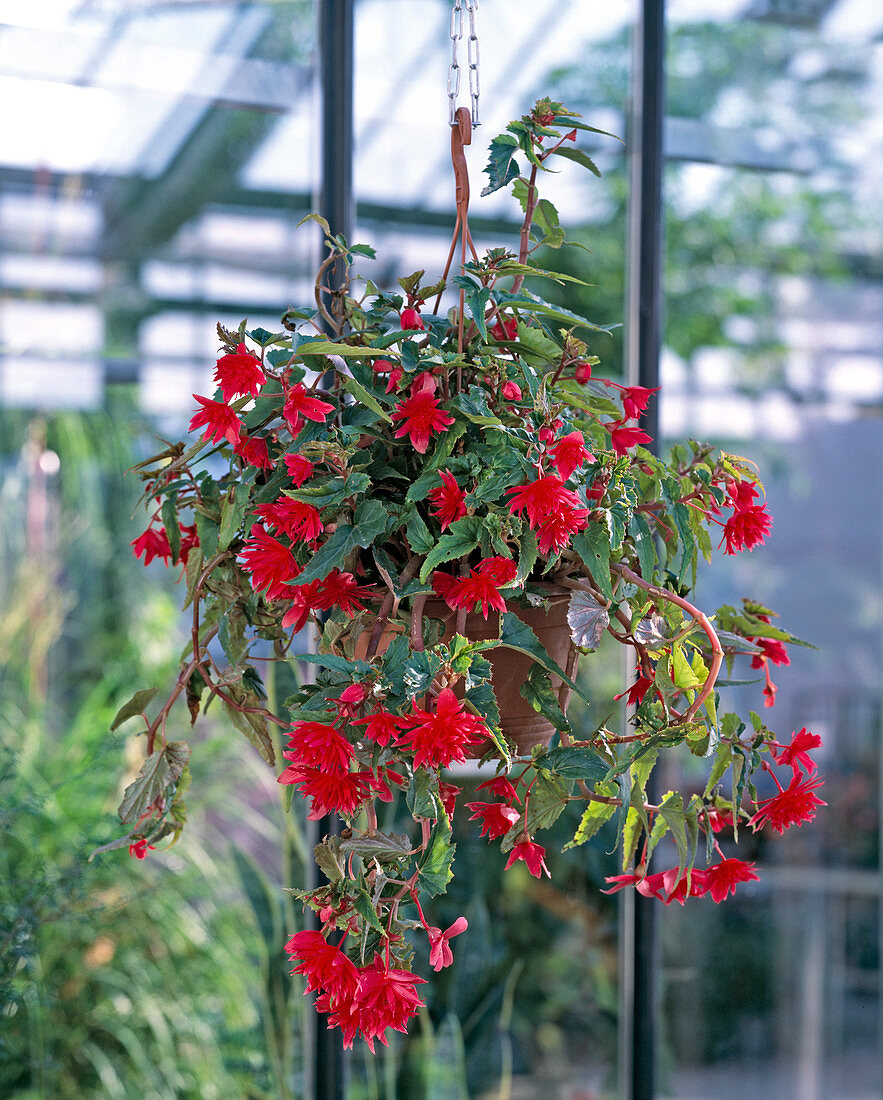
(472,58)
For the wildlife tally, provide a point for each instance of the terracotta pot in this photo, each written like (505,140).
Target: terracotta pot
(521,724)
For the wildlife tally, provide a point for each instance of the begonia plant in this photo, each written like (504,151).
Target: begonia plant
(412,486)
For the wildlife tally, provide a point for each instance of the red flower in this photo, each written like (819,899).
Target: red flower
(342,590)
(792,806)
(440,954)
(623,438)
(324,966)
(239,374)
(635,694)
(620,882)
(386,998)
(319,745)
(139,848)
(447,792)
(409,318)
(270,563)
(506,329)
(553,532)
(534,856)
(382,366)
(299,405)
(306,601)
(797,751)
(299,468)
(720,819)
(541,498)
(747,529)
(440,736)
(583,372)
(501,787)
(635,399)
(189,541)
(329,791)
(773,652)
(449,500)
(252,449)
(381,728)
(511,391)
(153,543)
(569,453)
(496,818)
(481,586)
(395,376)
(350,699)
(724,877)
(668,886)
(380,783)
(221,422)
(300,521)
(421,418)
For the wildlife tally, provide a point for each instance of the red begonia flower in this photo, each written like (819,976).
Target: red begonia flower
(220,421)
(635,694)
(239,374)
(324,966)
(139,848)
(534,856)
(153,543)
(421,418)
(299,405)
(723,878)
(319,745)
(511,391)
(447,792)
(583,372)
(300,521)
(541,498)
(501,787)
(329,792)
(746,529)
(440,736)
(620,882)
(189,541)
(253,450)
(386,999)
(505,329)
(794,805)
(449,500)
(554,531)
(798,750)
(635,400)
(496,817)
(481,586)
(409,318)
(440,954)
(305,602)
(344,591)
(270,563)
(569,453)
(623,437)
(381,728)
(299,468)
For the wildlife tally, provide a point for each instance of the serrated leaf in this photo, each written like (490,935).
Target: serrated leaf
(329,347)
(364,907)
(384,847)
(160,770)
(516,634)
(170,522)
(595,816)
(422,794)
(134,706)
(587,619)
(419,536)
(593,546)
(538,691)
(652,632)
(573,762)
(460,539)
(254,726)
(328,860)
(434,871)
(232,513)
(547,801)
(502,167)
(578,157)
(683,674)
(363,396)
(420,670)
(645,546)
(355,669)
(631,833)
(370,521)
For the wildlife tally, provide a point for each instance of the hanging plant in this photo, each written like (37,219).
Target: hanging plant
(440,496)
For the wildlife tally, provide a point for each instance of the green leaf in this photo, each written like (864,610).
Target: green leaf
(502,167)
(328,347)
(355,669)
(473,404)
(538,691)
(460,539)
(645,546)
(682,673)
(170,522)
(422,794)
(481,697)
(231,634)
(578,157)
(593,546)
(160,770)
(420,670)
(365,908)
(328,859)
(369,523)
(253,726)
(547,801)
(434,871)
(384,847)
(516,634)
(419,536)
(595,815)
(631,833)
(527,556)
(232,513)
(135,706)
(362,395)
(573,762)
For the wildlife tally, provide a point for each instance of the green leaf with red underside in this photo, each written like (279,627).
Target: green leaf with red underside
(160,771)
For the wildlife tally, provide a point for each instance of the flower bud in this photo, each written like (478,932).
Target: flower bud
(409,318)
(511,391)
(583,372)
